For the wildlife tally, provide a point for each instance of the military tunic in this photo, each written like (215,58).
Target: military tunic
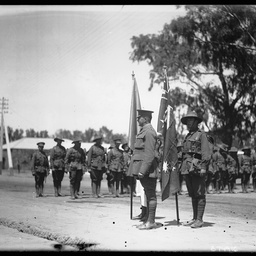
(145,161)
(75,163)
(246,164)
(40,169)
(96,162)
(57,164)
(196,156)
(254,171)
(220,168)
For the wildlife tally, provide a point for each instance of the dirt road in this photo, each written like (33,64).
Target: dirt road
(52,223)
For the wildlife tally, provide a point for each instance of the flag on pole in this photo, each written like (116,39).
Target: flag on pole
(166,126)
(133,124)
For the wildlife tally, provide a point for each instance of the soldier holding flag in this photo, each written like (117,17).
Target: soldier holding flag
(196,157)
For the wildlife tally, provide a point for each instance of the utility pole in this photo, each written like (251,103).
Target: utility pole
(4,106)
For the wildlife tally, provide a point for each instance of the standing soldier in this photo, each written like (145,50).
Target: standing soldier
(40,168)
(116,164)
(196,157)
(219,165)
(232,168)
(144,165)
(57,164)
(254,170)
(75,163)
(245,162)
(96,158)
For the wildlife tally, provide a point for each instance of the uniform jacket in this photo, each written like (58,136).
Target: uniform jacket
(96,157)
(75,159)
(232,165)
(245,162)
(57,157)
(196,152)
(115,160)
(144,159)
(219,161)
(40,162)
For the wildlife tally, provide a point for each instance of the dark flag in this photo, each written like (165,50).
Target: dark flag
(133,130)
(133,124)
(166,126)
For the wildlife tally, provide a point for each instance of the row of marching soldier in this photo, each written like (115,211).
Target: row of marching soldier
(77,161)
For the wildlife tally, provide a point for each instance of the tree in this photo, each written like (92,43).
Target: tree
(211,48)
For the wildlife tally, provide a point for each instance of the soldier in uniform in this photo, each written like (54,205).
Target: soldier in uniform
(96,158)
(57,165)
(116,164)
(232,168)
(144,165)
(75,163)
(220,166)
(245,162)
(196,157)
(40,168)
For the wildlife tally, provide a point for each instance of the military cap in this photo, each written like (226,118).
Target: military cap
(40,144)
(58,139)
(76,141)
(233,149)
(97,137)
(189,115)
(142,112)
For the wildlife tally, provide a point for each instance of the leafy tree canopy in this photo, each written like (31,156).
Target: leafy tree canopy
(211,48)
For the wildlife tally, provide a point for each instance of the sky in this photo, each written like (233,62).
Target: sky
(68,67)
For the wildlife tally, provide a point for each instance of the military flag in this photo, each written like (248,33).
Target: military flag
(133,124)
(166,126)
(133,130)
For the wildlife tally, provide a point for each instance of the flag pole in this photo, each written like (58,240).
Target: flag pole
(176,193)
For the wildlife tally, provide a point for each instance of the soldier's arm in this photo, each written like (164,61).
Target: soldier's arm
(51,158)
(206,151)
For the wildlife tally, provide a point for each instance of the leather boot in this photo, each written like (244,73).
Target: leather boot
(195,209)
(55,190)
(243,190)
(59,190)
(200,212)
(229,188)
(72,192)
(94,189)
(37,191)
(150,223)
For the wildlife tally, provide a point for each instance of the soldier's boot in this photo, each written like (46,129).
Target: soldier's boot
(41,190)
(55,190)
(145,218)
(150,223)
(72,192)
(218,188)
(94,189)
(142,213)
(117,192)
(76,189)
(98,187)
(243,188)
(195,209)
(200,212)
(37,191)
(229,188)
(59,190)
(254,185)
